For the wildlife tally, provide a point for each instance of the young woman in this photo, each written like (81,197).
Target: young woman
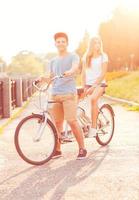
(95,63)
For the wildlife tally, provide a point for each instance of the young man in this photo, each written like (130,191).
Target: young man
(64,92)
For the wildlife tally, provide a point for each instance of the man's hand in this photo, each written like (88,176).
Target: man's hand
(68,73)
(46,78)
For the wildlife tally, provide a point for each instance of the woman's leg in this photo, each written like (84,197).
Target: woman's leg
(97,93)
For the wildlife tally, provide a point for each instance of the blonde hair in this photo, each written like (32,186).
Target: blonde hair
(90,51)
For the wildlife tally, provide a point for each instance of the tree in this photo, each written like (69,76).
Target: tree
(81,49)
(3,65)
(120,36)
(26,62)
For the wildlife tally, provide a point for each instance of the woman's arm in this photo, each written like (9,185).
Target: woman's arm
(83,75)
(103,73)
(99,79)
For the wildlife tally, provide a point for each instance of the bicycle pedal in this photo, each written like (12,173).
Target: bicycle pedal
(66,140)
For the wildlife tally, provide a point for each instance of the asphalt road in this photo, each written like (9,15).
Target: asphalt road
(108,173)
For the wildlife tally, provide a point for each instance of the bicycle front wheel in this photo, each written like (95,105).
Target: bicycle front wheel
(105,125)
(35,141)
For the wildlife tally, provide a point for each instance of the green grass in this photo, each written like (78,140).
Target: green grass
(131,107)
(126,87)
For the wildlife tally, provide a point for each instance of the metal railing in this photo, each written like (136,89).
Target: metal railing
(13,93)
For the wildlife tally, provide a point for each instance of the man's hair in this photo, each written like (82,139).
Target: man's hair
(60,34)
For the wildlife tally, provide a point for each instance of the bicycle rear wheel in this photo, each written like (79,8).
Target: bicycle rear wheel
(34,146)
(105,125)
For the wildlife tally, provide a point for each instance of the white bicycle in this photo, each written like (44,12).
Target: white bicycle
(36,135)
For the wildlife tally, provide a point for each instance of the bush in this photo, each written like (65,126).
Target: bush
(109,76)
(116,74)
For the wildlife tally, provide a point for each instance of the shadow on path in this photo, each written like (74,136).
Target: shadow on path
(57,180)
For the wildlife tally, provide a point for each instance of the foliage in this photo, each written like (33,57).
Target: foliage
(126,87)
(120,36)
(81,49)
(133,108)
(3,65)
(26,62)
(115,74)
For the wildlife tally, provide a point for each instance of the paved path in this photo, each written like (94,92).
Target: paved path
(108,173)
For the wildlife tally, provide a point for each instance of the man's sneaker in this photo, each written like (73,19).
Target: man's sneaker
(57,154)
(92,132)
(82,154)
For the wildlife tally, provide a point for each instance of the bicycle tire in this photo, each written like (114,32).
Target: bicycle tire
(17,135)
(111,112)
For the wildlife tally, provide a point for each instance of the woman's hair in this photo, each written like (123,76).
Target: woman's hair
(90,51)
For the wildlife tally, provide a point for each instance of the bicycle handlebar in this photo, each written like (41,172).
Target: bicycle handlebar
(51,80)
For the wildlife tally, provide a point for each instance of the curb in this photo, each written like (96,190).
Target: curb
(14,116)
(119,100)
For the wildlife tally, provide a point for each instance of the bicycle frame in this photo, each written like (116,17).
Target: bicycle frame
(84,120)
(44,111)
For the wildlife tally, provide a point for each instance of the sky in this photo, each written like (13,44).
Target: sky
(31,24)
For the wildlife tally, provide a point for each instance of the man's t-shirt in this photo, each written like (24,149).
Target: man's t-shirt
(58,66)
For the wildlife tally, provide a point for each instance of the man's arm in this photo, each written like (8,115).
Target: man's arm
(46,78)
(74,68)
(73,71)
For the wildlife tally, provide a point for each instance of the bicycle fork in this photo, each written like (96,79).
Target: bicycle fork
(102,123)
(40,130)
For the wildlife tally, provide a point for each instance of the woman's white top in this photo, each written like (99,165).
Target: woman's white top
(95,70)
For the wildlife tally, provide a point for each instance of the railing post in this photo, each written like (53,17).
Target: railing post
(25,89)
(6,97)
(29,87)
(33,88)
(13,93)
(1,99)
(19,97)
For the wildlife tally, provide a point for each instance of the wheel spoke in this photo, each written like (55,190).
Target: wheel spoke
(105,125)
(34,140)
